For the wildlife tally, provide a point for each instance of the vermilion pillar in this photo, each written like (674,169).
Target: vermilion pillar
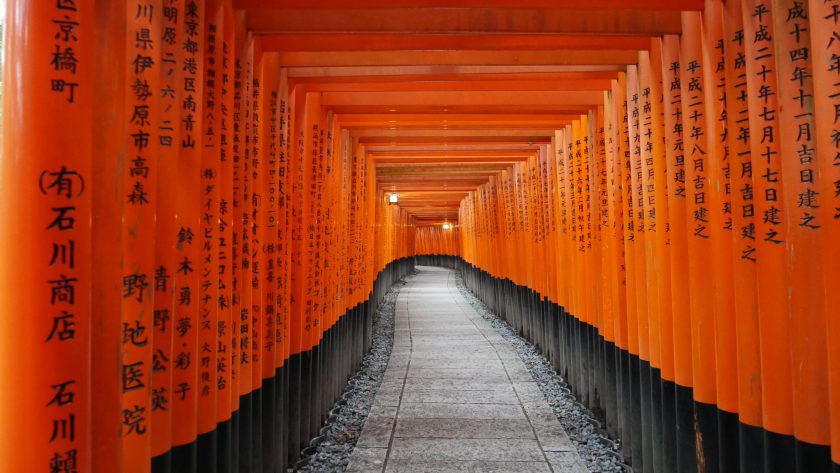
(45,228)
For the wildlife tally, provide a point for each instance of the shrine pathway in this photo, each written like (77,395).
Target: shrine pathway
(456,397)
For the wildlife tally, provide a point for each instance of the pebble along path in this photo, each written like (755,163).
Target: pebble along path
(450,387)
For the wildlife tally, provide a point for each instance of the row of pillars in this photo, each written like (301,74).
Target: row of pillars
(694,220)
(178,223)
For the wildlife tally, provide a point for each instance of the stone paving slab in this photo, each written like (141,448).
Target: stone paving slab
(454,428)
(379,427)
(434,449)
(462,384)
(412,466)
(456,397)
(431,410)
(478,374)
(566,462)
(365,460)
(468,363)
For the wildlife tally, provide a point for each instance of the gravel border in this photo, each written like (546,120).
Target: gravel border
(598,452)
(344,426)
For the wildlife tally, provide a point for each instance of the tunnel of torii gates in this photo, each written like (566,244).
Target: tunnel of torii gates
(196,226)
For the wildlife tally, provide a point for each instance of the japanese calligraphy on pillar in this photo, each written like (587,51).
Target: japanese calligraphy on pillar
(803,209)
(244,222)
(772,278)
(64,59)
(166,222)
(143,96)
(236,228)
(47,172)
(270,248)
(825,26)
(796,99)
(738,125)
(255,223)
(695,136)
(188,237)
(63,188)
(825,40)
(208,290)
(763,90)
(283,232)
(224,254)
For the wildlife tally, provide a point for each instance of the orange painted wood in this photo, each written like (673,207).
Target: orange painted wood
(651,151)
(225,380)
(285,42)
(106,249)
(677,216)
(284,242)
(630,203)
(46,252)
(139,172)
(208,265)
(457,57)
(720,205)
(166,230)
(594,5)
(825,47)
(248,59)
(699,231)
(747,333)
(616,102)
(659,217)
(771,229)
(451,99)
(185,278)
(801,183)
(466,20)
(440,72)
(609,228)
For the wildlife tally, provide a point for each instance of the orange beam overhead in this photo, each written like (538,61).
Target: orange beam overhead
(356,120)
(475,84)
(522,99)
(445,133)
(449,69)
(460,57)
(381,162)
(451,138)
(466,20)
(423,73)
(444,147)
(356,4)
(284,42)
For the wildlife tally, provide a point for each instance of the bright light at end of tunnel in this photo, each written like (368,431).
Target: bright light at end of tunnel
(393,198)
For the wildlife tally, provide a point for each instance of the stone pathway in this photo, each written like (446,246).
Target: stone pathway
(456,397)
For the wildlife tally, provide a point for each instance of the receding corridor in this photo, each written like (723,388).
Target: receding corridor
(456,396)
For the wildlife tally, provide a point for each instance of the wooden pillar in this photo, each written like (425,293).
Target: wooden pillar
(185,315)
(106,250)
(799,174)
(166,230)
(824,21)
(139,170)
(770,235)
(47,175)
(743,244)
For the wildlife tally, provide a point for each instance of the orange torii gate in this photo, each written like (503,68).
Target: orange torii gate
(196,226)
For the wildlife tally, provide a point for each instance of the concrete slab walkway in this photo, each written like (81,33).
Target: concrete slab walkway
(456,397)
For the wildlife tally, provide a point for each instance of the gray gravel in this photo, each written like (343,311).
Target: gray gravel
(342,430)
(600,454)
